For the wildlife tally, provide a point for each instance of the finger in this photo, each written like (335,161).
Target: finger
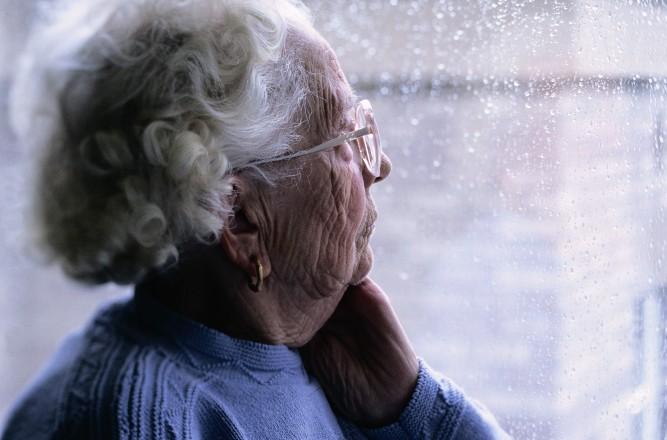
(366,298)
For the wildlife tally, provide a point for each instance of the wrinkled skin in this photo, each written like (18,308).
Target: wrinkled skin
(311,234)
(363,359)
(350,336)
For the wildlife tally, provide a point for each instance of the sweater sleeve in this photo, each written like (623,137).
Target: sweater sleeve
(438,409)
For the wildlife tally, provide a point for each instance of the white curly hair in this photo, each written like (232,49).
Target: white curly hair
(141,110)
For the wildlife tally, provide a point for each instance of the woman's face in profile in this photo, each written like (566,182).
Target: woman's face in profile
(323,223)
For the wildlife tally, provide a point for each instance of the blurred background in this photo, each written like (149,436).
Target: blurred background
(522,233)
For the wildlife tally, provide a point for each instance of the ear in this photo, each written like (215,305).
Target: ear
(242,238)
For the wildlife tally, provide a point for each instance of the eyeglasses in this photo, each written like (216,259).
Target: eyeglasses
(366,137)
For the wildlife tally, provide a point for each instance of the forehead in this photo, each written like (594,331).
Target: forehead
(331,100)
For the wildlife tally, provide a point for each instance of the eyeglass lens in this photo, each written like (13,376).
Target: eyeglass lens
(370,147)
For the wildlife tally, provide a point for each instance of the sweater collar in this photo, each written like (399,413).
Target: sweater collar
(213,343)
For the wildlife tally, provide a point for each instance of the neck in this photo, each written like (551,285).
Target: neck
(208,289)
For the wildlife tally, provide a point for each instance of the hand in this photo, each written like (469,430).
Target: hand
(363,359)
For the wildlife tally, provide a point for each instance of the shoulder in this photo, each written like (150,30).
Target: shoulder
(102,383)
(128,382)
(118,379)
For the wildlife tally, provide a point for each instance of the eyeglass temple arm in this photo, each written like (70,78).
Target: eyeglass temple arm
(325,146)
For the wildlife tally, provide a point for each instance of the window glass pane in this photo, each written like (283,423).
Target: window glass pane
(522,232)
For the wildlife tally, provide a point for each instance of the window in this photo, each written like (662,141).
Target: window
(524,217)
(522,234)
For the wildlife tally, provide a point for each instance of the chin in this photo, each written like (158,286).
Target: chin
(363,267)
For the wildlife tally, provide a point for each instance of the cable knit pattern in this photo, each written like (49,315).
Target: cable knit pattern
(140,371)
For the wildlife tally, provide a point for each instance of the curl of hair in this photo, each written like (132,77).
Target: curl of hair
(144,107)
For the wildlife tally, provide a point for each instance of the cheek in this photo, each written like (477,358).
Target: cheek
(322,228)
(357,205)
(350,200)
(353,191)
(341,215)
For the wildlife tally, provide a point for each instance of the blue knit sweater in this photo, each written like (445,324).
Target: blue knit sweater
(140,371)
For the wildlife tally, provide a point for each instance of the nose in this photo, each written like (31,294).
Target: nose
(385,168)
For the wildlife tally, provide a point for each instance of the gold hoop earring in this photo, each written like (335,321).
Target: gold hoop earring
(257,281)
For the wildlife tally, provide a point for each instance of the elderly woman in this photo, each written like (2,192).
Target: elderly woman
(212,153)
